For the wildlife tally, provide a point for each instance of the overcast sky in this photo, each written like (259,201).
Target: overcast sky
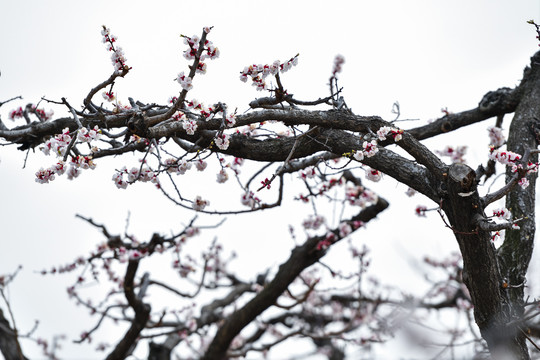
(427,55)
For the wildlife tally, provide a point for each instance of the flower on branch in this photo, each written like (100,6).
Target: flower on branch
(199,204)
(190,126)
(385,130)
(373,175)
(266,183)
(523,182)
(307,173)
(370,148)
(184,81)
(200,165)
(314,222)
(222,176)
(456,154)
(86,135)
(502,213)
(344,229)
(504,157)
(496,136)
(339,60)
(17,113)
(43,176)
(118,179)
(109,96)
(420,210)
(249,199)
(222,141)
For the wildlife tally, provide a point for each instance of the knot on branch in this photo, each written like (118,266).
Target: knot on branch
(464,175)
(493,99)
(137,125)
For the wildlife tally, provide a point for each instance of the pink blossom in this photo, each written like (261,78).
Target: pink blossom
(307,173)
(370,148)
(523,182)
(190,126)
(420,211)
(456,154)
(496,136)
(200,165)
(184,81)
(502,213)
(118,179)
(109,96)
(313,222)
(17,113)
(43,176)
(358,155)
(222,176)
(183,166)
(504,157)
(199,204)
(230,120)
(344,229)
(373,175)
(134,255)
(222,141)
(249,199)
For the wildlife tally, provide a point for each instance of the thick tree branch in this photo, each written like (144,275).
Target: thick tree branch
(301,257)
(142,311)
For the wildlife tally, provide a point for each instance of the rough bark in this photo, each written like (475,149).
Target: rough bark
(480,266)
(516,251)
(9,344)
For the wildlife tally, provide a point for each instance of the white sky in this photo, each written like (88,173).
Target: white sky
(425,54)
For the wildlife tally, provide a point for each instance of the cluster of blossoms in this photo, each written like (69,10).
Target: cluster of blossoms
(369,149)
(307,173)
(384,131)
(206,113)
(344,229)
(40,113)
(222,176)
(510,158)
(43,176)
(314,222)
(504,157)
(502,213)
(118,58)
(360,196)
(177,166)
(209,51)
(496,136)
(184,81)
(339,60)
(456,154)
(258,73)
(249,199)
(143,174)
(222,141)
(59,145)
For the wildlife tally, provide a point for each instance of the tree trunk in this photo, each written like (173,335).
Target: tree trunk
(482,276)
